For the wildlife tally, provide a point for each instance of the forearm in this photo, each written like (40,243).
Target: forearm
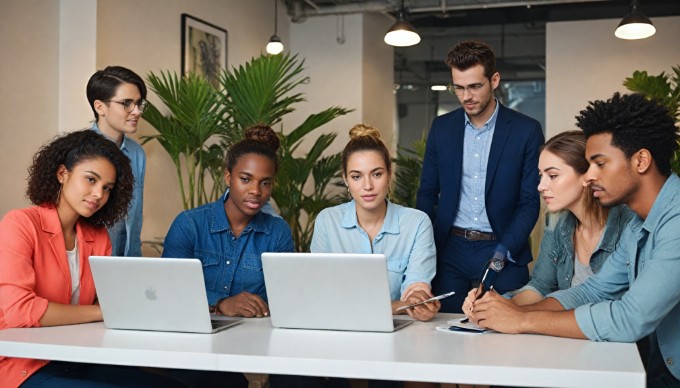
(527,297)
(58,314)
(547,304)
(554,323)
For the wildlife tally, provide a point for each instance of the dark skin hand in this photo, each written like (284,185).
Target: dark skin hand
(244,304)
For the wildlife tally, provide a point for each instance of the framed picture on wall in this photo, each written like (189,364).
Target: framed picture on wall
(204,48)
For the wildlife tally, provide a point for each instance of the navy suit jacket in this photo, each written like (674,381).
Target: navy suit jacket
(511,196)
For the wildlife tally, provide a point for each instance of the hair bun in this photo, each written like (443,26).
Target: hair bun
(364,130)
(263,134)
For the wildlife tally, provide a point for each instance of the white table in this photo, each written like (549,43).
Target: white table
(415,353)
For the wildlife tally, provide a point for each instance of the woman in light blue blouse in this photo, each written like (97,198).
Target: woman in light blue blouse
(579,234)
(370,223)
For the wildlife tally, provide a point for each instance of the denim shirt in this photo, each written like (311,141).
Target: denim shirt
(406,239)
(554,268)
(231,264)
(646,265)
(126,234)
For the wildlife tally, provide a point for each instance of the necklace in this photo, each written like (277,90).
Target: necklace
(589,248)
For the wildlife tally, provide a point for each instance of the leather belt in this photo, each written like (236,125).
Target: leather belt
(473,235)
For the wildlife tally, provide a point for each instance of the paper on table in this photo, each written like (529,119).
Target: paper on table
(456,325)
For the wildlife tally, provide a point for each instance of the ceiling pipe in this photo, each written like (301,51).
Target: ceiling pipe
(299,13)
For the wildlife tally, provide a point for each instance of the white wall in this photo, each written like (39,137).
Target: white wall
(77,61)
(585,61)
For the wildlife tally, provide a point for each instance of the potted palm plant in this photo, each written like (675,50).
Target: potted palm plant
(204,121)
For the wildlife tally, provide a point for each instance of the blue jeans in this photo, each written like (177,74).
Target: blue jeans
(69,374)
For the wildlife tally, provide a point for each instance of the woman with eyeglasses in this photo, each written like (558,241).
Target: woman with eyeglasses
(117,97)
(79,184)
(580,234)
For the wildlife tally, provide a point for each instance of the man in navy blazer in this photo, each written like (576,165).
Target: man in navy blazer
(479,179)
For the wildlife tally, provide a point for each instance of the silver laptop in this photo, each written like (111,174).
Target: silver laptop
(144,293)
(331,291)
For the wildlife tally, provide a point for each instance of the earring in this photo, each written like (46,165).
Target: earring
(59,194)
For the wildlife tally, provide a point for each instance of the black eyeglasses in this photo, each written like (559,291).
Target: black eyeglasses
(129,105)
(458,90)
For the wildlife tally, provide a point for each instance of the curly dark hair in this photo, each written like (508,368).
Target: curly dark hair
(471,53)
(260,140)
(70,150)
(634,123)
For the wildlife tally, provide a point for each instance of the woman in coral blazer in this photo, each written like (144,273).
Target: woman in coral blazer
(80,183)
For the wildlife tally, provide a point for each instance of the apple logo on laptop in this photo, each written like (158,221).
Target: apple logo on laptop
(150,294)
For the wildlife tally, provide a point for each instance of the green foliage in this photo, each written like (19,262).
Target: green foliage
(409,164)
(663,88)
(203,122)
(195,120)
(262,92)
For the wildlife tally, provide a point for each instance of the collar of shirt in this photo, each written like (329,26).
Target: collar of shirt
(668,192)
(99,131)
(490,123)
(391,224)
(220,223)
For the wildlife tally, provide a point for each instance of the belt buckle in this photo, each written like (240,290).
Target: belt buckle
(472,235)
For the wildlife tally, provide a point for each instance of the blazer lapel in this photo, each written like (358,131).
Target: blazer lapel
(501,133)
(455,144)
(49,221)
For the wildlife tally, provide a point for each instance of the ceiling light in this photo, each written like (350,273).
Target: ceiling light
(635,25)
(402,33)
(275,46)
(438,88)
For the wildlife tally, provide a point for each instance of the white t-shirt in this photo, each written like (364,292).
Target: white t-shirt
(74,268)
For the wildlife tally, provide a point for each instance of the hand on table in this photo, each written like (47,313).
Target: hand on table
(469,302)
(493,311)
(244,304)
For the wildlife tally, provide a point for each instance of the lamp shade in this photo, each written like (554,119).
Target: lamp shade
(635,25)
(402,34)
(274,46)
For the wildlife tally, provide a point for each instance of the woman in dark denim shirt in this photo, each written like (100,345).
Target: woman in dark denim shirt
(229,235)
(579,233)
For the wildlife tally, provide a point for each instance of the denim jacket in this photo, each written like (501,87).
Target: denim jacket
(231,264)
(554,268)
(126,234)
(645,266)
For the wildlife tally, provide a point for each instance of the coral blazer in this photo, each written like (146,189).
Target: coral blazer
(34,271)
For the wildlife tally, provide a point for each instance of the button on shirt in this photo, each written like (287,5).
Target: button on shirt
(476,146)
(646,265)
(126,234)
(231,264)
(406,239)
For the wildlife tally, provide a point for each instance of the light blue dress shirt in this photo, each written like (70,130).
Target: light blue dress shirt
(645,266)
(476,146)
(126,234)
(406,239)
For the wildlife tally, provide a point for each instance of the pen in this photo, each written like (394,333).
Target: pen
(438,297)
(466,320)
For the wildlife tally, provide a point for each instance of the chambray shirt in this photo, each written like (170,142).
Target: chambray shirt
(406,239)
(231,264)
(126,234)
(646,267)
(476,146)
(554,268)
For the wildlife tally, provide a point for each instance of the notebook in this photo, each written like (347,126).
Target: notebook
(143,293)
(331,291)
